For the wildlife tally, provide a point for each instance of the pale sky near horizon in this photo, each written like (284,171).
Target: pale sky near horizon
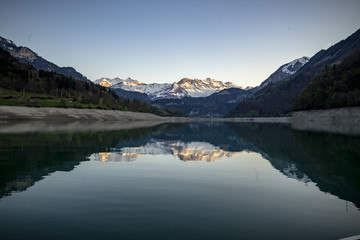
(165,41)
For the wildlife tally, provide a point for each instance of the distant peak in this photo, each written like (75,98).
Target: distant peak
(7,40)
(184,81)
(108,82)
(293,66)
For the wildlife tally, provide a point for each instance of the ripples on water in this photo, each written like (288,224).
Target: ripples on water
(180,181)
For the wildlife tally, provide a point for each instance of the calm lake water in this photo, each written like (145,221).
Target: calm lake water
(180,181)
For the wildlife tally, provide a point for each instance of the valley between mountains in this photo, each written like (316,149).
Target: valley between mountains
(25,76)
(196,97)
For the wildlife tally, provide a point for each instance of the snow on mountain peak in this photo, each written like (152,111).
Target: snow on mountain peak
(202,88)
(284,71)
(107,82)
(186,87)
(292,67)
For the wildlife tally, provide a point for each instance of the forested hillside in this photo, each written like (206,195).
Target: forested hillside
(214,105)
(23,85)
(337,86)
(277,99)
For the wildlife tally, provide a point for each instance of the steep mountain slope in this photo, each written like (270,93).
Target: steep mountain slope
(214,105)
(23,85)
(184,88)
(277,99)
(222,102)
(284,71)
(337,86)
(132,95)
(26,55)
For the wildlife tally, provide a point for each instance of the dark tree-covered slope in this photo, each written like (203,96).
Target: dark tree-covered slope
(214,105)
(22,84)
(26,55)
(337,86)
(132,95)
(277,99)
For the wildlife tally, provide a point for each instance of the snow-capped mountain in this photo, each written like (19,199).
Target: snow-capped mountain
(196,97)
(285,71)
(292,67)
(107,82)
(184,88)
(216,104)
(195,88)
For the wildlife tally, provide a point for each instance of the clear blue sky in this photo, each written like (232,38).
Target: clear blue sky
(164,41)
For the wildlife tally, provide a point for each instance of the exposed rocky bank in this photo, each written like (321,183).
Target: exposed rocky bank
(337,120)
(64,114)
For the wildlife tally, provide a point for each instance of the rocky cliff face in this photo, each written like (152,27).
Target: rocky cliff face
(336,120)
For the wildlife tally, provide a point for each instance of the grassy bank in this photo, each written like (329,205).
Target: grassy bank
(28,99)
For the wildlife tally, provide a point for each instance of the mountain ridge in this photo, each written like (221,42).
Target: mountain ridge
(208,97)
(23,85)
(26,55)
(216,104)
(277,99)
(284,71)
(337,86)
(186,87)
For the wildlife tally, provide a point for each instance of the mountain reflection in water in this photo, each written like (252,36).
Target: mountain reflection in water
(332,162)
(193,151)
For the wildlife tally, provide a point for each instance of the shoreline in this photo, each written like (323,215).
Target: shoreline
(19,113)
(336,120)
(16,119)
(19,119)
(34,126)
(247,119)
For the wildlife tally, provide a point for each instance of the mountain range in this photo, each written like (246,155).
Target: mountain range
(186,87)
(276,99)
(26,55)
(209,97)
(284,71)
(273,97)
(196,97)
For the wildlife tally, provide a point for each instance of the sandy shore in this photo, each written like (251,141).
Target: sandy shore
(32,126)
(339,120)
(27,119)
(71,114)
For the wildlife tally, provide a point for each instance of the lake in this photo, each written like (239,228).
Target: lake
(180,181)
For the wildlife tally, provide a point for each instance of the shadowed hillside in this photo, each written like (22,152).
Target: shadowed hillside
(337,86)
(277,99)
(23,85)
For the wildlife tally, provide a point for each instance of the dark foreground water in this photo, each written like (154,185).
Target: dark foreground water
(180,181)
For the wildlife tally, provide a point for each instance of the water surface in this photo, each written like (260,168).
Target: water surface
(180,181)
